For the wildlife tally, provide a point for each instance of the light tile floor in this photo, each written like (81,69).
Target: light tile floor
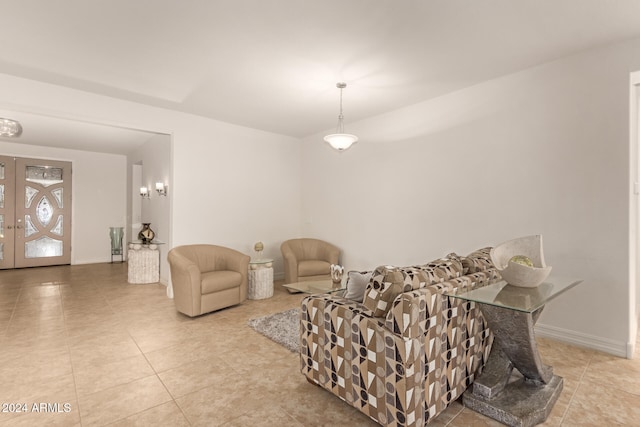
(99,351)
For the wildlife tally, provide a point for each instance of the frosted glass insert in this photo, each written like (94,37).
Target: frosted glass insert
(1,195)
(43,247)
(1,170)
(29,228)
(57,193)
(1,251)
(44,175)
(29,195)
(1,226)
(44,211)
(57,229)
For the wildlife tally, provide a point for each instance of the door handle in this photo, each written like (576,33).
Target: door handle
(18,226)
(9,227)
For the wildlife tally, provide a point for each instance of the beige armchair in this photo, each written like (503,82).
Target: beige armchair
(308,259)
(207,278)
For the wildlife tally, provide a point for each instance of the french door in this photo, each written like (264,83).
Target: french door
(35,212)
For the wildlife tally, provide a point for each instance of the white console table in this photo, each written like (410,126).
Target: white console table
(143,263)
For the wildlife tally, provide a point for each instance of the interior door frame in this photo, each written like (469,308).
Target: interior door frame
(634,212)
(7,230)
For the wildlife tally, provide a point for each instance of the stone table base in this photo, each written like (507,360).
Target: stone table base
(527,397)
(520,403)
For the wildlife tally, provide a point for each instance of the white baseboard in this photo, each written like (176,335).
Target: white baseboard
(94,261)
(615,348)
(278,276)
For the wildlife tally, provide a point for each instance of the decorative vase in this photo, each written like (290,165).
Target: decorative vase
(336,273)
(146,235)
(116,234)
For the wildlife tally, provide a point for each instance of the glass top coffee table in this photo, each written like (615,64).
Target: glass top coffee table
(316,286)
(511,313)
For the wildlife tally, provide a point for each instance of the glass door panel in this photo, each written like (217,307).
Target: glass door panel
(43,212)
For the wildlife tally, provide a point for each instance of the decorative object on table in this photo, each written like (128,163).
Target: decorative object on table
(146,234)
(521,261)
(336,273)
(116,234)
(340,140)
(258,247)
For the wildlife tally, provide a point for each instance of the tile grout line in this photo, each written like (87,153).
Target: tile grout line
(173,399)
(580,381)
(73,372)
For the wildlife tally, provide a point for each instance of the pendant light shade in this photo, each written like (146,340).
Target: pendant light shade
(340,140)
(10,128)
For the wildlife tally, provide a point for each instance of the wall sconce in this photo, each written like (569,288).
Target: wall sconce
(161,189)
(144,193)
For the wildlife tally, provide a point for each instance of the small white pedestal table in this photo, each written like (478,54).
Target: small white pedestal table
(260,279)
(143,262)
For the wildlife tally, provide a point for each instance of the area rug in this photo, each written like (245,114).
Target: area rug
(283,328)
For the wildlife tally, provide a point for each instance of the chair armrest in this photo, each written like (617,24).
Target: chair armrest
(185,279)
(350,353)
(329,253)
(290,264)
(237,261)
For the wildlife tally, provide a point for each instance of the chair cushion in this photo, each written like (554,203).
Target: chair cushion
(215,281)
(313,267)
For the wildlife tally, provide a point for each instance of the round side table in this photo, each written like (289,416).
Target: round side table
(260,279)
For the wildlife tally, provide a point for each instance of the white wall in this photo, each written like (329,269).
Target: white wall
(154,158)
(543,151)
(98,197)
(235,186)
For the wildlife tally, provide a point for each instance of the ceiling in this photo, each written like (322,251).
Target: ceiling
(273,65)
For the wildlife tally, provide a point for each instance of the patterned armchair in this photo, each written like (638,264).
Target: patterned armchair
(405,353)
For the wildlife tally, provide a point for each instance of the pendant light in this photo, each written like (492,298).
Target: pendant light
(10,128)
(340,140)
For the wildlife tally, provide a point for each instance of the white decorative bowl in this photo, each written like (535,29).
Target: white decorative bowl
(518,274)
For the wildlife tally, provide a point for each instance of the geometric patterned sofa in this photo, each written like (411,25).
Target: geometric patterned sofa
(407,351)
